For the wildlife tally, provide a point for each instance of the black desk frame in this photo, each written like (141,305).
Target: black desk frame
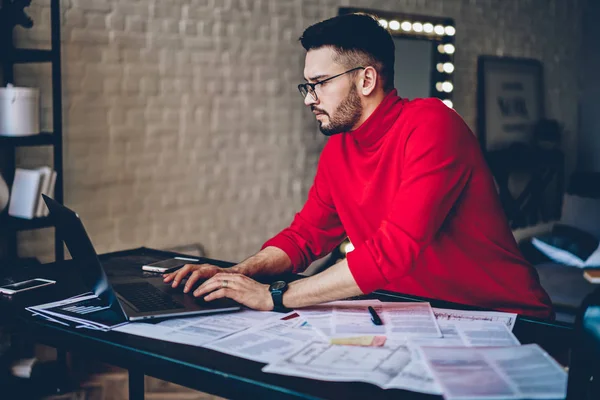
(229,376)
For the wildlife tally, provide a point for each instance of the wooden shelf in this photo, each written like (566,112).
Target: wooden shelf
(20,56)
(9,223)
(42,139)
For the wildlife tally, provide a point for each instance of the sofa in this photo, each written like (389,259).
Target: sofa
(577,234)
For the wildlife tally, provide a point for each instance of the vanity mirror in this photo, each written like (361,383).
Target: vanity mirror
(424,64)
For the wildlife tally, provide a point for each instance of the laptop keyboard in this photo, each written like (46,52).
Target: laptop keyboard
(146,298)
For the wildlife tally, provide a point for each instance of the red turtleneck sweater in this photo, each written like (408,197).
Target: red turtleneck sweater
(411,190)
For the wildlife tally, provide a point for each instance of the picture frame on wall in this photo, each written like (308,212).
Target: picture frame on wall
(509,100)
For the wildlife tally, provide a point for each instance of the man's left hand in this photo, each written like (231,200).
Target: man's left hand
(237,287)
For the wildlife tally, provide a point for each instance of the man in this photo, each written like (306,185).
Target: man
(405,181)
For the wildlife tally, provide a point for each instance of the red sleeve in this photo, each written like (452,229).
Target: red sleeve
(435,169)
(315,230)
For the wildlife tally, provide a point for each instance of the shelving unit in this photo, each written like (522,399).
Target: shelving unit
(10,226)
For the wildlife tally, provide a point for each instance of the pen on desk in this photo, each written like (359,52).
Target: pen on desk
(374,317)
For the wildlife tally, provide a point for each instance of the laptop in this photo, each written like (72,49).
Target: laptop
(135,298)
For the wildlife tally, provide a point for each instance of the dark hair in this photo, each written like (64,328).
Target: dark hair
(358,40)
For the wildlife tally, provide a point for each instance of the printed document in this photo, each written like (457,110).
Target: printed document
(197,331)
(321,316)
(352,319)
(496,373)
(471,334)
(384,367)
(268,342)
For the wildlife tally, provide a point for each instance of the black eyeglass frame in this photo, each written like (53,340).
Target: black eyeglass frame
(304,90)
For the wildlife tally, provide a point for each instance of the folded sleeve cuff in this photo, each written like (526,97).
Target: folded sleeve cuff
(289,248)
(364,270)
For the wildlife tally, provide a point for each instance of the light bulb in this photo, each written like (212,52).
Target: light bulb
(447,87)
(348,247)
(450,31)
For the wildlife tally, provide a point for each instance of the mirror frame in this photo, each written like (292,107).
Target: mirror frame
(439,30)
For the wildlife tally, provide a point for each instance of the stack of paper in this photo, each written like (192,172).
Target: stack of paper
(460,354)
(414,359)
(28,186)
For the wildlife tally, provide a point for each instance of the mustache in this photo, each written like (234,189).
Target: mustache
(318,110)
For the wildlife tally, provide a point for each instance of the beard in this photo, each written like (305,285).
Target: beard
(345,116)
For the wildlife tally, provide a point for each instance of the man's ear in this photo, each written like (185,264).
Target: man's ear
(368,81)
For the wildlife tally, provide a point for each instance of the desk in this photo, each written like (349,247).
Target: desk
(204,369)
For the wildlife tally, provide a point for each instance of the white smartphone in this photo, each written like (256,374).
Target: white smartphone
(166,266)
(30,284)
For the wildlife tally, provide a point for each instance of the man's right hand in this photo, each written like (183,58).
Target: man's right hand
(196,272)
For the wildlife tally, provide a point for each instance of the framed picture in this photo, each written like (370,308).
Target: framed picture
(509,100)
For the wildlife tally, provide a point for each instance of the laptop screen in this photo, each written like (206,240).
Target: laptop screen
(71,230)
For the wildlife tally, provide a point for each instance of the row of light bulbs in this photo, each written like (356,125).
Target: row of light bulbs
(418,27)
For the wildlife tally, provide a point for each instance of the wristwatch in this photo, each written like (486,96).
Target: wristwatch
(277,289)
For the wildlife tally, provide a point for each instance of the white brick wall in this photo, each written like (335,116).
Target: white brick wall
(182,119)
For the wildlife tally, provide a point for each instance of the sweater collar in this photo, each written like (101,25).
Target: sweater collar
(379,122)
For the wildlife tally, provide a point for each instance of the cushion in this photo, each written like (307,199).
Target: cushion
(570,246)
(566,286)
(581,212)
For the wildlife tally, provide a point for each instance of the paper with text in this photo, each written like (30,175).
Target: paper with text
(496,373)
(197,331)
(384,367)
(269,342)
(352,319)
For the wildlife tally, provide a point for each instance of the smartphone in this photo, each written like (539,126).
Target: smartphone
(166,266)
(25,285)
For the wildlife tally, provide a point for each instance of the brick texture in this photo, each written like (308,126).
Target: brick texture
(182,122)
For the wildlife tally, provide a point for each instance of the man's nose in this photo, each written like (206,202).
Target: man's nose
(309,100)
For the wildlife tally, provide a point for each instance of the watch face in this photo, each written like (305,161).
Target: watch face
(277,285)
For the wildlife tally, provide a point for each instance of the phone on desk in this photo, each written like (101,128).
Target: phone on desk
(166,266)
(30,284)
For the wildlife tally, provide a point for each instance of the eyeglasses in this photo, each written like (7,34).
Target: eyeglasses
(306,88)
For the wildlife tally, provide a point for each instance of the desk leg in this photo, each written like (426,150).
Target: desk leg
(136,385)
